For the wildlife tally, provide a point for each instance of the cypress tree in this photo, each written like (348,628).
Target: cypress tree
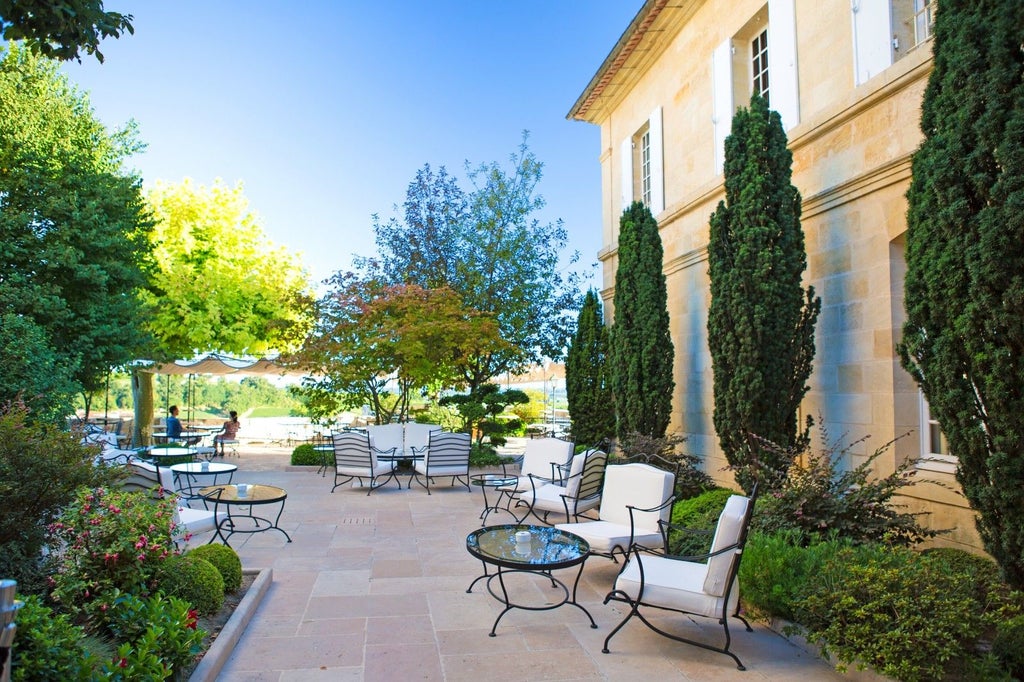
(641,348)
(761,320)
(586,376)
(963,339)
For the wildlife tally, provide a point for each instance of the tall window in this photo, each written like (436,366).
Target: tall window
(645,167)
(923,21)
(759,64)
(935,455)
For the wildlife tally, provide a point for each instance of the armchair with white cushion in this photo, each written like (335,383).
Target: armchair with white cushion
(706,585)
(579,493)
(635,498)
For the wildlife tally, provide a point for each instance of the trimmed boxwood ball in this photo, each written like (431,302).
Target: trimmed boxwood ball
(195,580)
(306,455)
(225,560)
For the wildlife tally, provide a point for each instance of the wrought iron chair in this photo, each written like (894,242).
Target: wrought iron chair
(159,482)
(705,585)
(546,458)
(387,440)
(635,498)
(447,455)
(580,492)
(355,459)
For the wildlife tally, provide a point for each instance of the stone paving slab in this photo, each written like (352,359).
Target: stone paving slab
(374,588)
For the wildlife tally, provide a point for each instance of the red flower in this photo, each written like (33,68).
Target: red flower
(193,619)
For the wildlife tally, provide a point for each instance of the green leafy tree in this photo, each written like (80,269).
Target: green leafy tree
(61,29)
(376,344)
(488,247)
(587,384)
(219,284)
(963,340)
(761,319)
(74,231)
(641,351)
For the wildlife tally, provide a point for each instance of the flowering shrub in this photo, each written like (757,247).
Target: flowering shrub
(818,496)
(159,633)
(110,540)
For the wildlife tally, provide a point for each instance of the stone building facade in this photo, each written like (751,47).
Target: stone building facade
(847,77)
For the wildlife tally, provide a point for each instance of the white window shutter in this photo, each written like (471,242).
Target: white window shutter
(784,90)
(627,173)
(721,117)
(872,38)
(654,126)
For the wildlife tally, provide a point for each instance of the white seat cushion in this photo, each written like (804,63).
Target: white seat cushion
(421,468)
(548,498)
(674,584)
(197,521)
(604,536)
(380,468)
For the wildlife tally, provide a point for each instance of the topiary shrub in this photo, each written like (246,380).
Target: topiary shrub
(305,455)
(225,560)
(195,580)
(48,646)
(699,514)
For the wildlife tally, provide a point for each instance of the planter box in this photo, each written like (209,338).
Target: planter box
(217,655)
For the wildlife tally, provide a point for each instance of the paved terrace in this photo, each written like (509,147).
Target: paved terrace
(374,588)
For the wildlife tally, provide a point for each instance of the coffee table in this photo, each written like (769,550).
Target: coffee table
(494,481)
(546,550)
(192,476)
(239,507)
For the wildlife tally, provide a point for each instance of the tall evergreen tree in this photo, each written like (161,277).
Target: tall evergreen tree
(586,376)
(963,340)
(761,320)
(641,347)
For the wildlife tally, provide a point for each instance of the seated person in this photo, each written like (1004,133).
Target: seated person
(229,433)
(173,425)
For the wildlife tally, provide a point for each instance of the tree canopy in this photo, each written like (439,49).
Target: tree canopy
(376,344)
(761,320)
(74,236)
(642,354)
(963,340)
(61,29)
(488,247)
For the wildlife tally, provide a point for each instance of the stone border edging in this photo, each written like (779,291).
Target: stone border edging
(217,655)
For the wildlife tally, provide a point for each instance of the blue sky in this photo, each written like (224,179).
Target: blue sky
(326,109)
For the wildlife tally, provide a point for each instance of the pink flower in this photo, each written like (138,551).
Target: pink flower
(141,557)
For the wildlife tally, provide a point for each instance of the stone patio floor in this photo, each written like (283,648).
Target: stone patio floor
(374,588)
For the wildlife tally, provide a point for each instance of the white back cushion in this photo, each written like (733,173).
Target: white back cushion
(417,435)
(387,436)
(730,523)
(639,485)
(572,485)
(541,453)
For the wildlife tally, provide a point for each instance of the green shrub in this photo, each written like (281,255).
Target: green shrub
(305,455)
(158,626)
(818,495)
(906,615)
(41,467)
(699,514)
(1008,645)
(48,646)
(195,580)
(776,568)
(226,561)
(110,540)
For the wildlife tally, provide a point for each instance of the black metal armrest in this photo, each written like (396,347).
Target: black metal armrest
(389,452)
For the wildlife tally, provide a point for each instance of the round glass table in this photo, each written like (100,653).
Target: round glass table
(496,482)
(532,550)
(190,477)
(239,500)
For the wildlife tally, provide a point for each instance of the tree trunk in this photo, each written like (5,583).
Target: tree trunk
(142,396)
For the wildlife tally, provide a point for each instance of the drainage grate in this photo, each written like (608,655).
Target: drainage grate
(357,521)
